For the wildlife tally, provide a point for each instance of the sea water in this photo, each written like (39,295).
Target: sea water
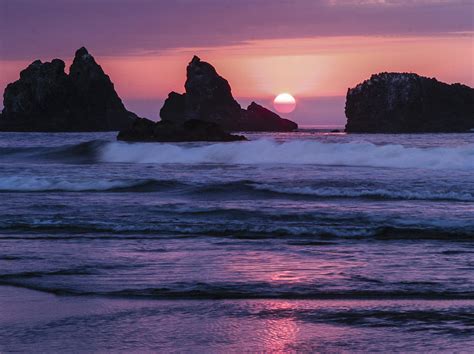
(291,241)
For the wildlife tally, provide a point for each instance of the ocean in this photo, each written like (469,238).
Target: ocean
(304,241)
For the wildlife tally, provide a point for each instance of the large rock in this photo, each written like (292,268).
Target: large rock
(95,95)
(38,99)
(209,97)
(408,103)
(46,99)
(145,130)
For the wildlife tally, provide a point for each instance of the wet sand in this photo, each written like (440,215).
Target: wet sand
(32,321)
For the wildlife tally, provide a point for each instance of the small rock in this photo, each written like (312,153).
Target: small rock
(145,130)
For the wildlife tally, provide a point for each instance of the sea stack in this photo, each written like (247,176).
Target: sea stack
(208,97)
(145,130)
(409,103)
(46,99)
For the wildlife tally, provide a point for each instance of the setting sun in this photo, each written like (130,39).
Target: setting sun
(284,103)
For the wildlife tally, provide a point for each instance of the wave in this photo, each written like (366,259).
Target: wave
(376,193)
(265,151)
(86,152)
(57,184)
(261,151)
(308,232)
(239,187)
(348,191)
(252,290)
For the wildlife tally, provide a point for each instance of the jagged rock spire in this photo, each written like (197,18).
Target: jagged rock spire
(209,97)
(47,99)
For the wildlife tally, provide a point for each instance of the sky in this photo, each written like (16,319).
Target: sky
(315,50)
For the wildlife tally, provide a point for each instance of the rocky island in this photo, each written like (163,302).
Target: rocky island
(409,103)
(207,111)
(46,99)
(145,130)
(208,97)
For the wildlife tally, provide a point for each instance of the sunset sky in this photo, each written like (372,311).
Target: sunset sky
(312,49)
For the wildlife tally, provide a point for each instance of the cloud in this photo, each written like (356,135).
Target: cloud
(39,28)
(397,2)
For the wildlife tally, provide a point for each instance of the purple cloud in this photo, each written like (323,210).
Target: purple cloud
(39,28)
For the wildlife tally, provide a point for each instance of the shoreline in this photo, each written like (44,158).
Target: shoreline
(341,297)
(36,321)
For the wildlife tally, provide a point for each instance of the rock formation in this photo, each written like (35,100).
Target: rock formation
(258,118)
(408,103)
(209,97)
(46,99)
(146,130)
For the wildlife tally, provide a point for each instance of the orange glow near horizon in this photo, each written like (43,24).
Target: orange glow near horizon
(306,67)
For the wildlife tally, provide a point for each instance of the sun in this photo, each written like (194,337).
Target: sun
(284,103)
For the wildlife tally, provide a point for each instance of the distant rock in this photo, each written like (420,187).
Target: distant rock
(174,107)
(145,130)
(408,103)
(46,99)
(209,97)
(39,98)
(258,118)
(95,95)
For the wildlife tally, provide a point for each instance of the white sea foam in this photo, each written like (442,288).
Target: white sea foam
(333,192)
(37,184)
(266,151)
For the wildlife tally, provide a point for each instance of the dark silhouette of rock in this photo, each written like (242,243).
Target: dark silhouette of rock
(40,96)
(46,99)
(174,107)
(95,94)
(209,97)
(408,103)
(258,118)
(145,130)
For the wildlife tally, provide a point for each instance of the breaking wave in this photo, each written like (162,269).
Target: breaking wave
(261,151)
(86,152)
(294,228)
(239,187)
(49,184)
(251,290)
(264,151)
(378,193)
